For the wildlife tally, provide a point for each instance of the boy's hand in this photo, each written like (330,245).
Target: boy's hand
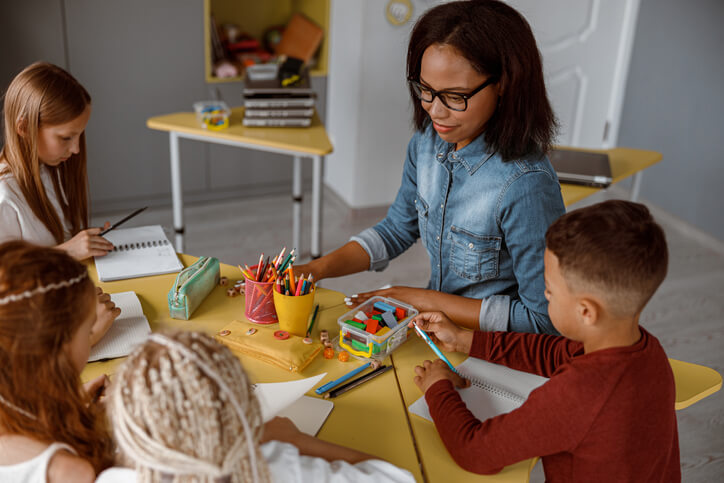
(431,372)
(106,313)
(280,429)
(446,335)
(88,243)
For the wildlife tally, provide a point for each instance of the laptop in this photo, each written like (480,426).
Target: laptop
(581,167)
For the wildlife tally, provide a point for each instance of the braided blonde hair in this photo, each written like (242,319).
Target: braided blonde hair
(182,410)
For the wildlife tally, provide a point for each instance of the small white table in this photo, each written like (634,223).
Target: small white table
(311,142)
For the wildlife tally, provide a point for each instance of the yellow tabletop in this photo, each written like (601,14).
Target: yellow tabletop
(437,465)
(371,418)
(693,382)
(311,140)
(625,162)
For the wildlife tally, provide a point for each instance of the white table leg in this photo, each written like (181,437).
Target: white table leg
(297,204)
(317,206)
(636,186)
(176,192)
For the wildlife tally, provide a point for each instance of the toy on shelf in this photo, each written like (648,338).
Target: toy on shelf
(212,115)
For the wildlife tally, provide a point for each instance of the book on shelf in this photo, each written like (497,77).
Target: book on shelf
(276,122)
(274,103)
(293,112)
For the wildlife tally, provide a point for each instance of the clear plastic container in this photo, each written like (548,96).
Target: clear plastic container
(361,343)
(212,115)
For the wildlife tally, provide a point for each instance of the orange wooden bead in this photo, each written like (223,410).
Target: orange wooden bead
(328,353)
(343,356)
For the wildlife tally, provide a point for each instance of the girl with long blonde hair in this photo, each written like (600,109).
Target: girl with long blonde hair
(43,177)
(182,410)
(51,428)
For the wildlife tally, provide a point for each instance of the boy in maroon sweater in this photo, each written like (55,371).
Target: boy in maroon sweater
(607,412)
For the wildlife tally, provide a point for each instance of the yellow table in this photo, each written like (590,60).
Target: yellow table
(693,383)
(625,162)
(297,142)
(371,419)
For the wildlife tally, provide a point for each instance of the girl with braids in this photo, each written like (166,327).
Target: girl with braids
(477,188)
(51,428)
(183,410)
(43,179)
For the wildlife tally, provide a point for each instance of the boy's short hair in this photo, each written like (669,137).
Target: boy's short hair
(615,249)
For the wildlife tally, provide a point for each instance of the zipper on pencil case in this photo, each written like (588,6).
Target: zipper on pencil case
(194,270)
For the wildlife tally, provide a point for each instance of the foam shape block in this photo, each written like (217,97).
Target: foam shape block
(389,319)
(361,316)
(358,325)
(383,307)
(372,326)
(400,313)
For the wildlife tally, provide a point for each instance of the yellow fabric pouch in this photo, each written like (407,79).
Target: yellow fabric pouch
(291,354)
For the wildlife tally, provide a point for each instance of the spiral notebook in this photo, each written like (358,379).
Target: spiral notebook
(129,329)
(138,252)
(494,389)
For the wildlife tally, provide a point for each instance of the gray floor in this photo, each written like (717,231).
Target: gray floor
(686,314)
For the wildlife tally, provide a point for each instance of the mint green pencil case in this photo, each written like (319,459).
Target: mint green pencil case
(192,286)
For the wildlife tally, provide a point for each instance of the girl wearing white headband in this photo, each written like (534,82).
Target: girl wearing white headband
(182,410)
(51,428)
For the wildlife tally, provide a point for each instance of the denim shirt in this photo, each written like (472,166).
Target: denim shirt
(483,223)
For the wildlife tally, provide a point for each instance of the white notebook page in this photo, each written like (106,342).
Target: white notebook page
(129,329)
(139,252)
(494,389)
(287,399)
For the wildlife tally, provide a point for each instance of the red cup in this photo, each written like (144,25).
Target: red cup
(259,302)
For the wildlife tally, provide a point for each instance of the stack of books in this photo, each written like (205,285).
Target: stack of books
(268,103)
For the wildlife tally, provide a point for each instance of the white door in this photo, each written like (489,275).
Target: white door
(586,47)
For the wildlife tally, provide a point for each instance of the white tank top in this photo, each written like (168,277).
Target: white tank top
(34,470)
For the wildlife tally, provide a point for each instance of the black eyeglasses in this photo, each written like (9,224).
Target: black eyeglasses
(452,100)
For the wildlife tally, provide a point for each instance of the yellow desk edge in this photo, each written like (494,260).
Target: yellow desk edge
(693,382)
(312,140)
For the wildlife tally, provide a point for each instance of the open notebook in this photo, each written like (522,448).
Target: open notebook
(494,389)
(139,252)
(129,329)
(287,399)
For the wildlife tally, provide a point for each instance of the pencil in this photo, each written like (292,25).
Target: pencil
(356,382)
(119,223)
(314,317)
(258,268)
(340,380)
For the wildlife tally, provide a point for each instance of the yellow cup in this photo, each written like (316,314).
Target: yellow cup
(293,312)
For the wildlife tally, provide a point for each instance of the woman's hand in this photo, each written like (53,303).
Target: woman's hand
(443,332)
(106,313)
(431,372)
(281,429)
(88,243)
(311,267)
(417,297)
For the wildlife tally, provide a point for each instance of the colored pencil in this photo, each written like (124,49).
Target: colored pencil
(356,382)
(314,318)
(340,380)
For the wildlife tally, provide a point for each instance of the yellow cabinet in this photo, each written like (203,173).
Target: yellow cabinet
(254,17)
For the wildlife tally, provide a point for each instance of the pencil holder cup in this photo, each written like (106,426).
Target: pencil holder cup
(259,302)
(293,312)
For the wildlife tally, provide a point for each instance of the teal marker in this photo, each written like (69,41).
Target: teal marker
(435,349)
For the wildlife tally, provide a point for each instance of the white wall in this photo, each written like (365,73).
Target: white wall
(369,112)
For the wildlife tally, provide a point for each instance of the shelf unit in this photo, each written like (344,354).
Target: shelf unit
(254,17)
